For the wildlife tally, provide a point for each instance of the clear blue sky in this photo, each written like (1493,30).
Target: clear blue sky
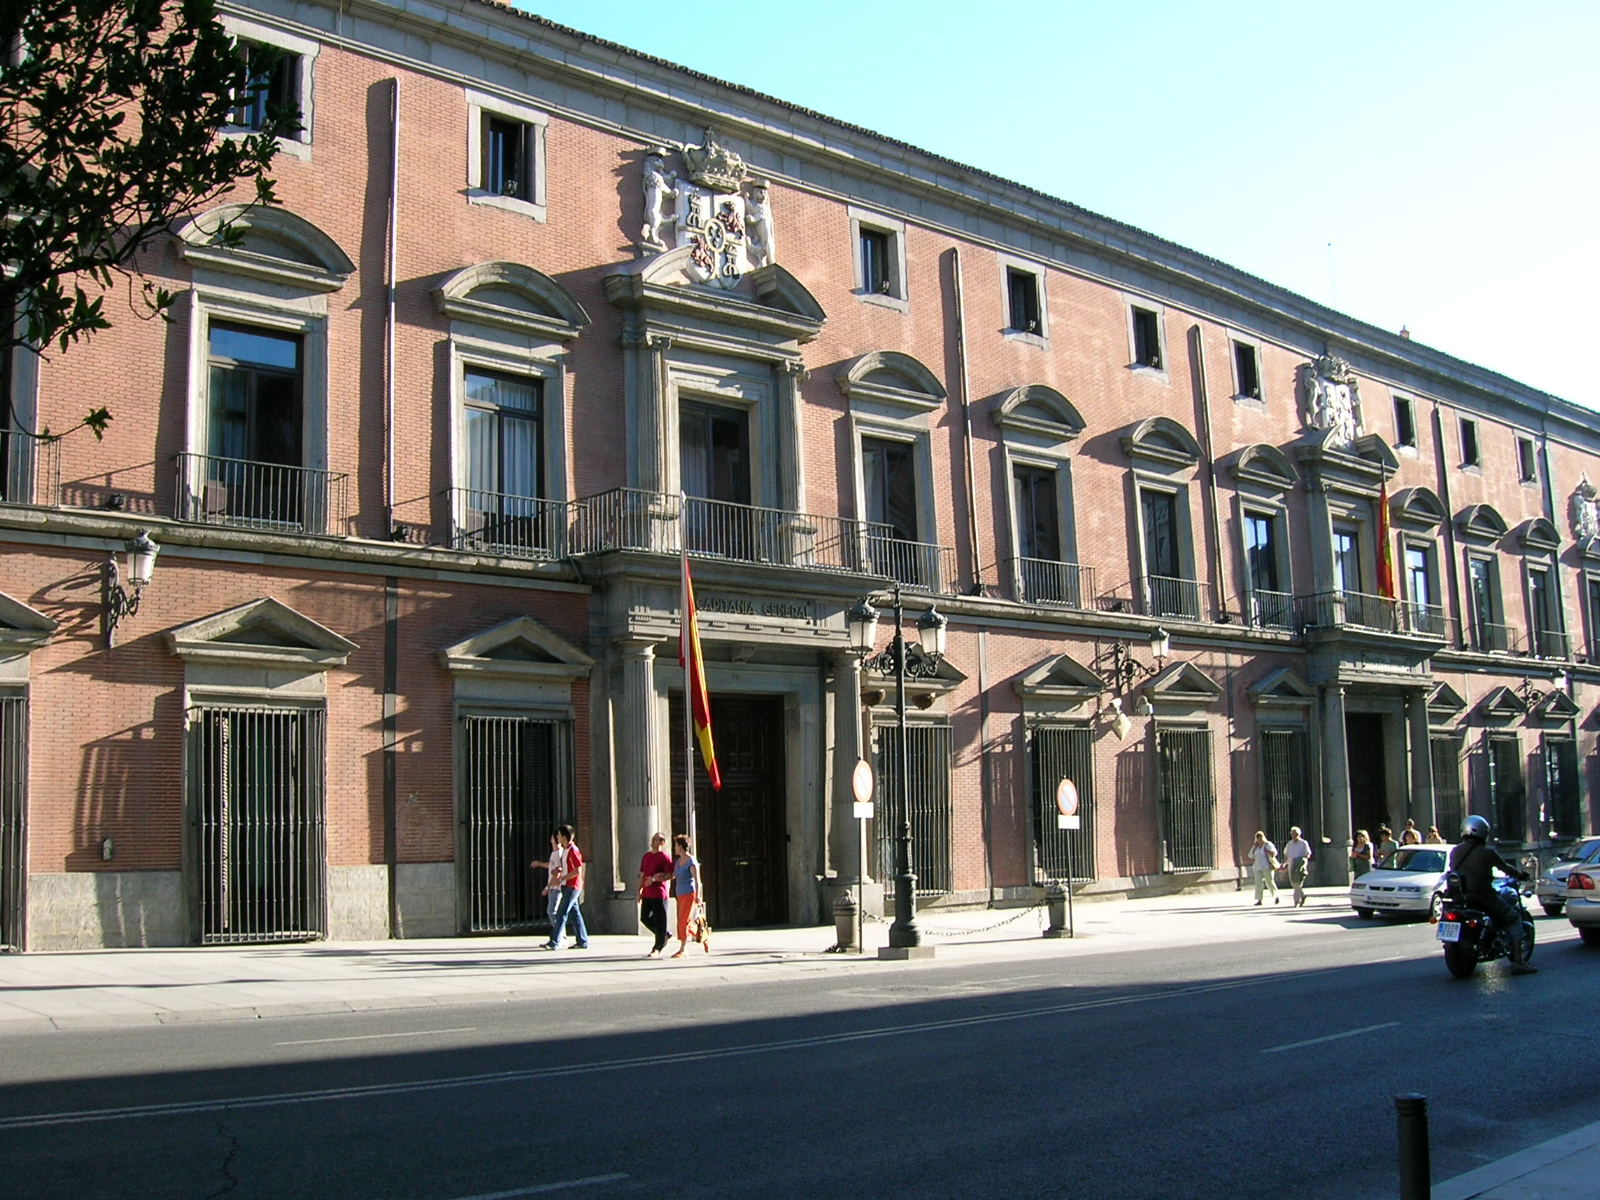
(1413,162)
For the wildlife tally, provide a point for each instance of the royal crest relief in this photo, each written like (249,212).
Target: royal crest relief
(710,207)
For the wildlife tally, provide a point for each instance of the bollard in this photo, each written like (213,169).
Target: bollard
(1055,900)
(844,924)
(1416,1175)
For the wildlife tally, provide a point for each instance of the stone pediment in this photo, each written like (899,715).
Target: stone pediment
(511,296)
(921,691)
(1444,703)
(1041,411)
(1183,684)
(266,633)
(1555,706)
(1538,534)
(1501,704)
(1361,467)
(266,242)
(520,648)
(1480,523)
(1161,441)
(769,300)
(1416,508)
(1282,688)
(892,378)
(1062,680)
(1265,466)
(22,629)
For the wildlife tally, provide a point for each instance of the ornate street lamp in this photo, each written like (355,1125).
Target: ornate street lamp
(119,602)
(899,660)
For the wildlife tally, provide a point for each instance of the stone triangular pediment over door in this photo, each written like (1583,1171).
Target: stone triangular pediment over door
(1556,707)
(1501,704)
(1282,688)
(1445,704)
(1182,687)
(520,648)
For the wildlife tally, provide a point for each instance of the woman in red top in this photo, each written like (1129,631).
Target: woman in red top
(655,869)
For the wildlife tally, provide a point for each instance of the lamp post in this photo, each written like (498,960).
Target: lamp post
(898,661)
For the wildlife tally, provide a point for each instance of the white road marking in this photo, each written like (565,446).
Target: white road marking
(369,1037)
(542,1188)
(1332,1037)
(653,1061)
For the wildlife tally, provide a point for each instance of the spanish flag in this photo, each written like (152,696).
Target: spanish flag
(1386,587)
(694,674)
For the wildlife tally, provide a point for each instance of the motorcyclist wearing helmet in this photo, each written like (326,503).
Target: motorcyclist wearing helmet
(1474,860)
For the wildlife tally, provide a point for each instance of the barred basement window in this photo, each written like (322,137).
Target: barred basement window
(1188,800)
(1449,808)
(516,789)
(1508,791)
(928,798)
(1062,752)
(1561,782)
(13,816)
(1286,794)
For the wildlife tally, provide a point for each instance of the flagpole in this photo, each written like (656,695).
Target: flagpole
(688,668)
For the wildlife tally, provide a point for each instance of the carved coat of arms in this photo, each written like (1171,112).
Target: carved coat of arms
(1333,399)
(710,206)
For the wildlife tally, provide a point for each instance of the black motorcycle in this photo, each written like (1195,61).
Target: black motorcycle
(1471,937)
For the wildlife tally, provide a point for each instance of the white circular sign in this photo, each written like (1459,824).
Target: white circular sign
(861,781)
(1067,797)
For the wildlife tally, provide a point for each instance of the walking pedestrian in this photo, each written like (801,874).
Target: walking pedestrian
(655,870)
(689,888)
(1297,854)
(570,908)
(1263,857)
(1386,845)
(554,867)
(1361,854)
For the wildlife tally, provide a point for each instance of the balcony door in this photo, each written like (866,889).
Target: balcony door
(889,478)
(505,459)
(714,470)
(254,434)
(1043,575)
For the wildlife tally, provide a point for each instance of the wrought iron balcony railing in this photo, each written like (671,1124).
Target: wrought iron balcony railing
(516,526)
(1272,610)
(1168,596)
(633,519)
(1491,637)
(30,469)
(1550,643)
(1043,581)
(256,495)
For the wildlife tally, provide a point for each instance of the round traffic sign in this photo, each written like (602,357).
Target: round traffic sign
(1067,797)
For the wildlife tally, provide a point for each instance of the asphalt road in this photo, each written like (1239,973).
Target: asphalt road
(1223,1070)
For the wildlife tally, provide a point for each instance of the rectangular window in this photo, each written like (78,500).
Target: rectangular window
(1272,606)
(889,479)
(516,787)
(877,271)
(13,816)
(1470,454)
(1488,631)
(1063,752)
(927,804)
(1022,292)
(255,798)
(1405,423)
(714,464)
(1544,636)
(1286,791)
(1188,801)
(507,157)
(1448,807)
(1346,560)
(1591,591)
(1041,573)
(1167,590)
(1147,338)
(505,463)
(1527,461)
(1424,613)
(1247,370)
(254,433)
(1508,790)
(274,86)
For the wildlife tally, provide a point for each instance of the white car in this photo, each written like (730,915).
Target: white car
(1409,882)
(1552,887)
(1583,902)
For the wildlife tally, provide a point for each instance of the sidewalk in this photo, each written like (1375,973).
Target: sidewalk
(41,993)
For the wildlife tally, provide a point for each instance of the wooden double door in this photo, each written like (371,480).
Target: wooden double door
(741,831)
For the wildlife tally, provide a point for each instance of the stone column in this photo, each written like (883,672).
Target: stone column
(849,873)
(1423,809)
(1335,787)
(791,462)
(637,749)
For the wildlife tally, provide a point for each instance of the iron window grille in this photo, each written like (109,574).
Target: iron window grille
(1187,799)
(927,796)
(1063,751)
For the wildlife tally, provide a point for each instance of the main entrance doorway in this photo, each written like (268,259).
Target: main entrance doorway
(741,830)
(1369,797)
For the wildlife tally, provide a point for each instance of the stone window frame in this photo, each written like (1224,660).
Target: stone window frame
(481,105)
(919,437)
(1469,443)
(1132,305)
(1009,264)
(1409,407)
(1475,621)
(1037,427)
(306,51)
(1238,341)
(898,295)
(1527,460)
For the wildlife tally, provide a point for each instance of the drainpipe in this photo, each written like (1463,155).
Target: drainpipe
(390,274)
(1197,356)
(966,422)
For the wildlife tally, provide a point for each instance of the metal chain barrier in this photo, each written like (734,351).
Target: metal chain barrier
(1036,907)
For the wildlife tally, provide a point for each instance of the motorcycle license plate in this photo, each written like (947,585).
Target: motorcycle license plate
(1449,931)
